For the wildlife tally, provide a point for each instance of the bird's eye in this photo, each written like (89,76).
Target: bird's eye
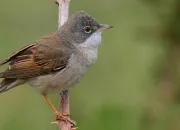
(87,29)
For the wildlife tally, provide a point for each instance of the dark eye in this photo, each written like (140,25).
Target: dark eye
(87,29)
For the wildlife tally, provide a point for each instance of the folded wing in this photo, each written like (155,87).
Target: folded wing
(46,56)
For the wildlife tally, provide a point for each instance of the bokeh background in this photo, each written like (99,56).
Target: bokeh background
(133,86)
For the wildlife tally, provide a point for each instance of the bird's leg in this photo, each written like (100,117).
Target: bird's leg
(59,116)
(49,102)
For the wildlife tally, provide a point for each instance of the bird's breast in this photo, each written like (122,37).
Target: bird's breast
(78,64)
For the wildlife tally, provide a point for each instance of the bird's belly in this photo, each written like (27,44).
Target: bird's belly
(59,81)
(69,76)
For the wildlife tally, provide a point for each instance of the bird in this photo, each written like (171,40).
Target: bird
(58,60)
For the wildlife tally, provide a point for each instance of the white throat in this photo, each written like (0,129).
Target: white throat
(93,41)
(89,49)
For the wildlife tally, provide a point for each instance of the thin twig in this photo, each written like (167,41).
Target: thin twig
(64,108)
(64,96)
(63,11)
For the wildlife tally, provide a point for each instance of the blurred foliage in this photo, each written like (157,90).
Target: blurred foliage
(164,111)
(126,89)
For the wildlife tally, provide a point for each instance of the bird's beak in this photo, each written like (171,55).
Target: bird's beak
(104,27)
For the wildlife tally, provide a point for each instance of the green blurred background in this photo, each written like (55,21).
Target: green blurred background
(133,86)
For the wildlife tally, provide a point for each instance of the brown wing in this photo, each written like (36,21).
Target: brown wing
(46,56)
(16,53)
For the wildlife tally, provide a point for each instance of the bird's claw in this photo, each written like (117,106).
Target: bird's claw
(64,117)
(56,122)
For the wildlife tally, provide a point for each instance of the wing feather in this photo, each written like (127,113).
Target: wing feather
(46,56)
(15,54)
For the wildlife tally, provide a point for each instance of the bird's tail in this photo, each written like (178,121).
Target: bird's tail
(7,84)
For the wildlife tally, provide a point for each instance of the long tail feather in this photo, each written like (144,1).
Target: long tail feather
(1,74)
(7,84)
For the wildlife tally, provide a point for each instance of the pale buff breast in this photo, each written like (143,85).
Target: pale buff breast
(83,57)
(68,77)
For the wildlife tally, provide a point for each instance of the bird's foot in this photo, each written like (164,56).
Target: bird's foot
(65,118)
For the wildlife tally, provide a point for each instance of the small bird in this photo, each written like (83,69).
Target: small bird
(58,60)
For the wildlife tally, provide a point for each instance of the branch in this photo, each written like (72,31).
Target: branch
(64,108)
(63,11)
(64,96)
